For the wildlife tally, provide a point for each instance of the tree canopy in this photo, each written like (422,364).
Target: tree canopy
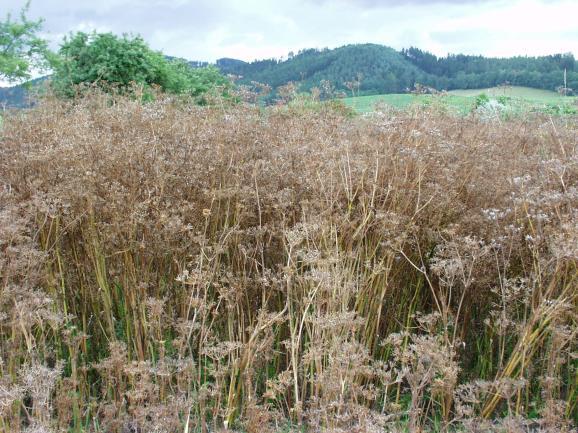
(21,49)
(110,61)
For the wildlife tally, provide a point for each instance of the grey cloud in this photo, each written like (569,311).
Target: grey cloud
(400,3)
(208,29)
(126,16)
(452,37)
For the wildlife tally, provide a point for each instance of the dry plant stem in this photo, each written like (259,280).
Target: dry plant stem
(169,267)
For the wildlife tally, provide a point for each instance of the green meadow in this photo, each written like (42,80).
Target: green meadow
(517,99)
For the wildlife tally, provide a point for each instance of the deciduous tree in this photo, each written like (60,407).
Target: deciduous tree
(22,50)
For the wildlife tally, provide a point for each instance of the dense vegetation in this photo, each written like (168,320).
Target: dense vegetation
(370,69)
(119,64)
(175,268)
(375,69)
(181,266)
(125,62)
(381,69)
(475,72)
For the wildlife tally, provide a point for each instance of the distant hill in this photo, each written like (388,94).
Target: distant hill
(384,70)
(19,96)
(378,68)
(11,97)
(370,69)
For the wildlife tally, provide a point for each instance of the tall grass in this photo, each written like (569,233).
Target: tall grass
(176,268)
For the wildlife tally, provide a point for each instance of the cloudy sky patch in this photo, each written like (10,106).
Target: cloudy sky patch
(254,29)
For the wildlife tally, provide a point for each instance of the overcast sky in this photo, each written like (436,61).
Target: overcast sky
(250,29)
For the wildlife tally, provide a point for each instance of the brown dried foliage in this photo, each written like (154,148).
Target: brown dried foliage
(175,268)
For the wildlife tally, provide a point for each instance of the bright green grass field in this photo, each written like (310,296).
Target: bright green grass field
(521,99)
(366,104)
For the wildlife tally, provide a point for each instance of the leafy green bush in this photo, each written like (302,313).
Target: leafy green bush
(120,63)
(481,100)
(560,109)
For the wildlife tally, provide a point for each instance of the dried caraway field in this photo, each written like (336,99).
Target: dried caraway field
(167,268)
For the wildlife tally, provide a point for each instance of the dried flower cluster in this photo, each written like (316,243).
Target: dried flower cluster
(167,268)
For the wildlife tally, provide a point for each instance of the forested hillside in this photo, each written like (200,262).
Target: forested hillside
(378,69)
(474,72)
(369,69)
(13,96)
(20,96)
(381,69)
